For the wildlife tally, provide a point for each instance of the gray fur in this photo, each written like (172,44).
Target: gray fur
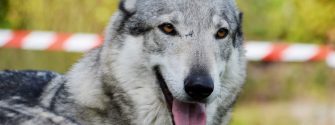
(116,83)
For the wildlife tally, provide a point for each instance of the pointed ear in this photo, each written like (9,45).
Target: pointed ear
(128,6)
(240,23)
(238,38)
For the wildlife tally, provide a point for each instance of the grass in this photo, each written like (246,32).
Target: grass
(263,114)
(294,112)
(286,81)
(41,60)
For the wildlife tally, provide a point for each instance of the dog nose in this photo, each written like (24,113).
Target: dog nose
(199,86)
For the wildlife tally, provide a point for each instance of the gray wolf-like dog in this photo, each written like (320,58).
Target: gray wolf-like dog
(163,62)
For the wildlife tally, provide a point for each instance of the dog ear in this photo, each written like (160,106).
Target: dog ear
(128,6)
(240,23)
(238,38)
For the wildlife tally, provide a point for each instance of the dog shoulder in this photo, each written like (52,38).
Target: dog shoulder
(84,81)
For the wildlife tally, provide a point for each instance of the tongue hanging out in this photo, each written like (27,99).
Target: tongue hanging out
(188,113)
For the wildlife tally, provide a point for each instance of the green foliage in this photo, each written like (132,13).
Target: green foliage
(61,15)
(289,20)
(3,13)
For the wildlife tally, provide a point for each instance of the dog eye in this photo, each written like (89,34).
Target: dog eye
(222,33)
(168,29)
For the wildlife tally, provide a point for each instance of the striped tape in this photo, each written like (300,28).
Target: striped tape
(81,42)
(37,40)
(266,51)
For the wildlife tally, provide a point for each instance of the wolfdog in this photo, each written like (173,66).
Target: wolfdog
(163,62)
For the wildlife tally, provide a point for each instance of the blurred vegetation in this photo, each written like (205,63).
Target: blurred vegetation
(40,60)
(3,13)
(60,15)
(268,82)
(290,20)
(287,94)
(271,88)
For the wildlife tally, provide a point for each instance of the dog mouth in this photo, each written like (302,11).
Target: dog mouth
(182,113)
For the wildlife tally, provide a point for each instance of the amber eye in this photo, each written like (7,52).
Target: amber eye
(222,33)
(168,28)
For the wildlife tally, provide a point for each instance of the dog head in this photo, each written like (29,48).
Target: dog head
(192,47)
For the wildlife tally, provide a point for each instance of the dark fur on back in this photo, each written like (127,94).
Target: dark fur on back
(25,84)
(19,99)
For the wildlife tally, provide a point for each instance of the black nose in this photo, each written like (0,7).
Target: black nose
(199,86)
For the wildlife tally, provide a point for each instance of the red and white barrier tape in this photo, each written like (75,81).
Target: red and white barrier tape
(256,50)
(49,40)
(266,51)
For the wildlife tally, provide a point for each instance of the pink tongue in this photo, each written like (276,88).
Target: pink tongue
(188,113)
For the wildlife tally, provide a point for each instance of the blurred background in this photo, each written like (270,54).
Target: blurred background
(275,93)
